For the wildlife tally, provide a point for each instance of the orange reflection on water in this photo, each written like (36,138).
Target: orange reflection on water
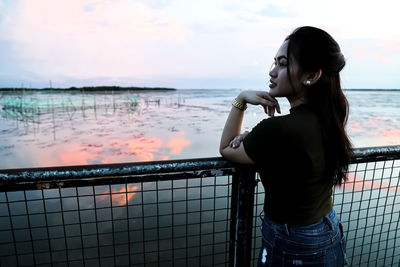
(145,148)
(373,121)
(117,150)
(390,136)
(78,154)
(376,130)
(355,127)
(120,197)
(355,183)
(177,144)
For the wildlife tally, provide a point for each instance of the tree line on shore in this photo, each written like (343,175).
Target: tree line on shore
(90,89)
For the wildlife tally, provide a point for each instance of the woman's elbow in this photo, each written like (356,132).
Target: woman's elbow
(229,154)
(237,155)
(222,151)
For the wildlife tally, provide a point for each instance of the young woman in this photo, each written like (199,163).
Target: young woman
(299,156)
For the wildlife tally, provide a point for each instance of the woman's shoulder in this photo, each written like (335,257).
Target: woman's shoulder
(273,121)
(272,126)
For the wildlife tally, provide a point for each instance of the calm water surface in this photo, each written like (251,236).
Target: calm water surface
(51,129)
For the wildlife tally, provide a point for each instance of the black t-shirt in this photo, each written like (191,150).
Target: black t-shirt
(290,158)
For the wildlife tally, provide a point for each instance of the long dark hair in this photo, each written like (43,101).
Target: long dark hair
(314,49)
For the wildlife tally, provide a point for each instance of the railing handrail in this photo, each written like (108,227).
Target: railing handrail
(378,153)
(84,175)
(81,175)
(111,169)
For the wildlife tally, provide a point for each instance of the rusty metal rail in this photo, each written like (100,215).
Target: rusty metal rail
(86,175)
(70,176)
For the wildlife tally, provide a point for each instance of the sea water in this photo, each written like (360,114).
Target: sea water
(39,129)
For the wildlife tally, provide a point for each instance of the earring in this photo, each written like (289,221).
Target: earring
(308,82)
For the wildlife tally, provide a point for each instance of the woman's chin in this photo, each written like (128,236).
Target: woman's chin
(272,93)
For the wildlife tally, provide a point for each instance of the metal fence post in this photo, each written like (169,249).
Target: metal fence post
(242,202)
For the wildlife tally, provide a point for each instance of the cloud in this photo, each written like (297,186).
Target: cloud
(378,50)
(87,38)
(156,4)
(373,52)
(211,42)
(275,11)
(90,7)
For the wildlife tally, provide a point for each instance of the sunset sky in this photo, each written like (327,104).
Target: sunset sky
(186,43)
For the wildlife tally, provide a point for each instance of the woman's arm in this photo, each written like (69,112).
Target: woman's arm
(233,124)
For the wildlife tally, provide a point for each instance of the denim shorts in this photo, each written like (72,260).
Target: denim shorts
(318,244)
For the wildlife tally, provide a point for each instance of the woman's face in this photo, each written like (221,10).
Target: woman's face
(279,82)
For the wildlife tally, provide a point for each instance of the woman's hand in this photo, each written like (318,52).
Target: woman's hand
(262,98)
(235,143)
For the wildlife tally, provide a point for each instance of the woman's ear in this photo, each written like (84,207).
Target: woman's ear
(311,77)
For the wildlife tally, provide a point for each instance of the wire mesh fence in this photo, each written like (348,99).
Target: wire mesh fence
(369,206)
(175,216)
(168,222)
(181,223)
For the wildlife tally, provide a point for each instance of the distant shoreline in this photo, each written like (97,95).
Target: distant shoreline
(91,89)
(373,90)
(134,88)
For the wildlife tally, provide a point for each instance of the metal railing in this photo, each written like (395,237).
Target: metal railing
(178,213)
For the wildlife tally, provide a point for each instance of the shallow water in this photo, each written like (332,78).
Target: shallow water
(52,129)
